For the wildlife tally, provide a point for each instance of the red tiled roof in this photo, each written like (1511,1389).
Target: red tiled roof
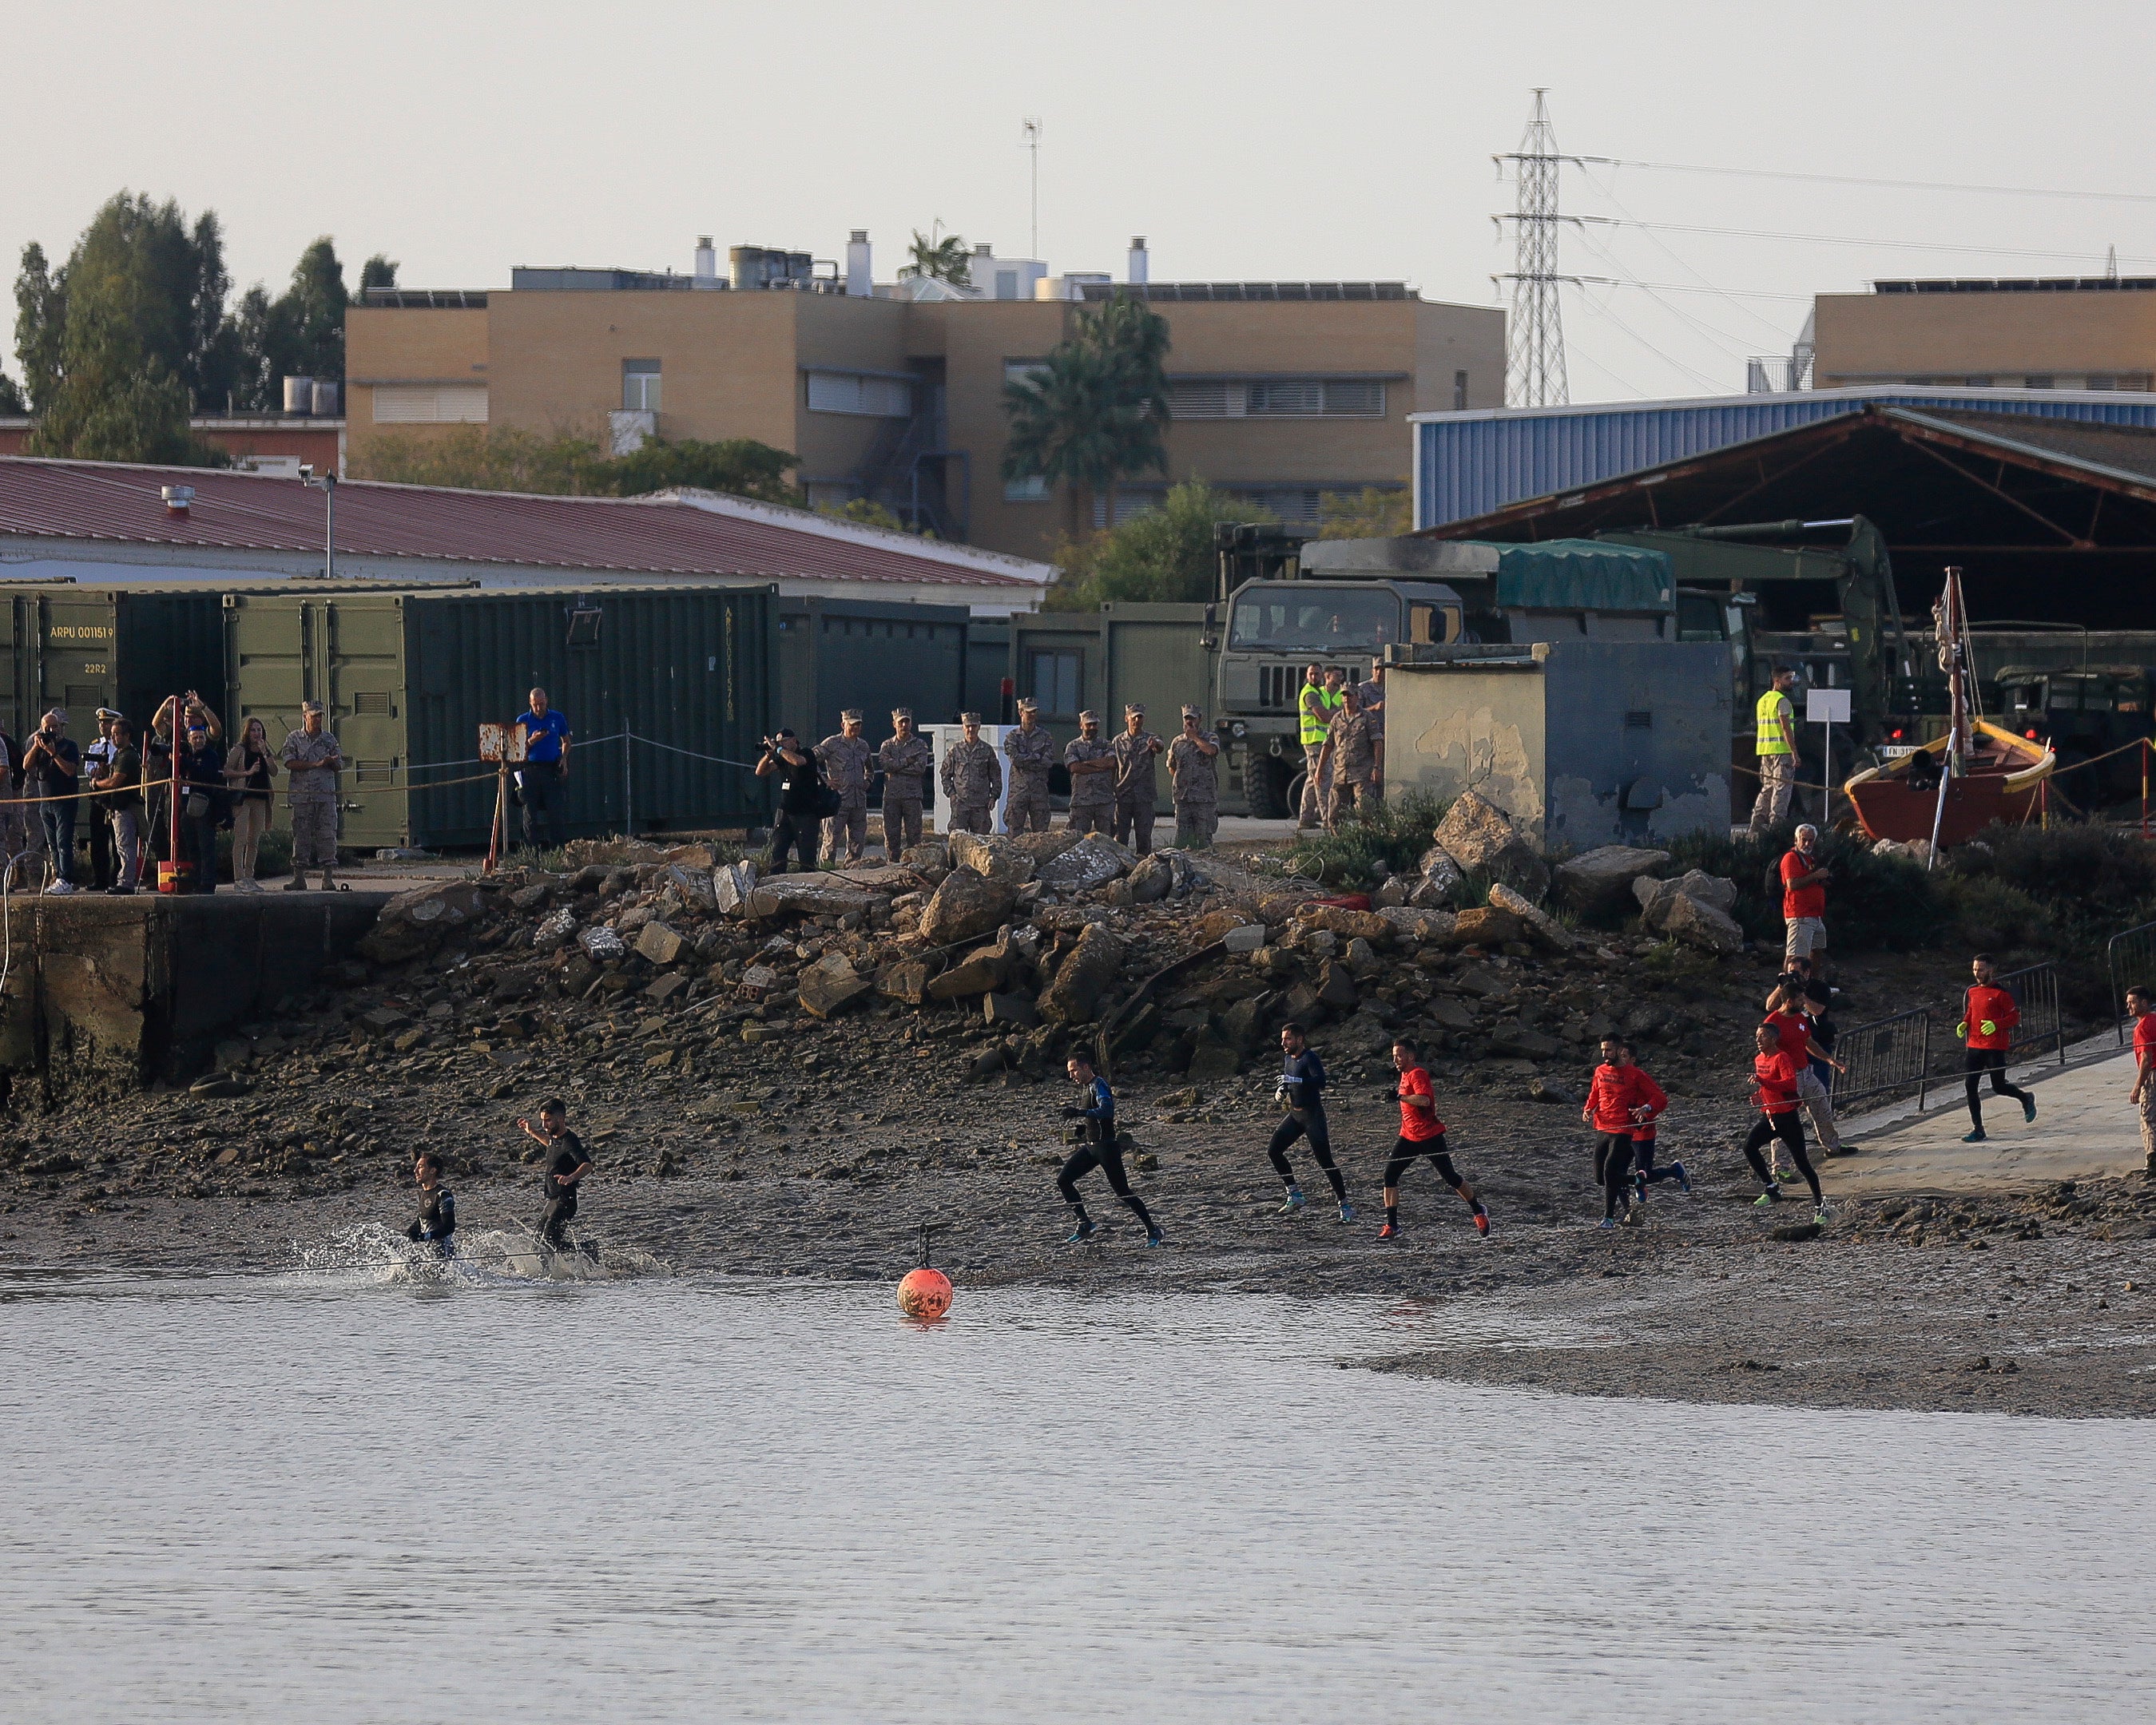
(117,503)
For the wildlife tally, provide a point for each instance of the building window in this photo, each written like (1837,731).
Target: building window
(2035,381)
(430,404)
(1131,501)
(1034,489)
(1459,392)
(1023,371)
(1056,680)
(1276,398)
(639,386)
(861,392)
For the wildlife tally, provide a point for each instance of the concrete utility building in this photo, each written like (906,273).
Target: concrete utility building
(2074,333)
(1280,391)
(278,443)
(92,521)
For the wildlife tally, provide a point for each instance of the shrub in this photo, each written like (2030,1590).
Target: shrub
(1394,833)
(1873,902)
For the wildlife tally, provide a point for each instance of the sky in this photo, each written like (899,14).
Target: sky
(1251,141)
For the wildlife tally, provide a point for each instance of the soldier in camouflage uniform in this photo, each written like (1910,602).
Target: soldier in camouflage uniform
(971,780)
(1136,783)
(850,770)
(1350,752)
(1092,766)
(1194,783)
(311,756)
(1031,752)
(906,758)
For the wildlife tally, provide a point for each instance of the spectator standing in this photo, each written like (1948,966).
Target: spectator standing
(1319,701)
(311,757)
(121,784)
(907,758)
(1350,760)
(247,777)
(1031,753)
(1775,747)
(2141,1002)
(971,779)
(800,816)
(55,764)
(1803,899)
(849,769)
(1194,782)
(1091,762)
(1370,696)
(157,767)
(201,786)
(542,781)
(96,758)
(1137,783)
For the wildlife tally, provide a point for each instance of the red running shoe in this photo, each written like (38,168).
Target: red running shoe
(1482,1223)
(1390,1231)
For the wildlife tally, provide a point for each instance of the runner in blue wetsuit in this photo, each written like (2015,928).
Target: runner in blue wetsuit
(1301,1093)
(1097,1109)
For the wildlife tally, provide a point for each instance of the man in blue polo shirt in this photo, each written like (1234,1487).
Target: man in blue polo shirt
(543,778)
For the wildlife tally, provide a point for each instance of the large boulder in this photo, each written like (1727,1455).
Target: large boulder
(1044,846)
(831,985)
(1698,923)
(415,923)
(1083,977)
(966,906)
(731,886)
(1410,924)
(694,886)
(1514,1040)
(806,895)
(1479,837)
(658,943)
(1152,880)
(1543,927)
(1347,924)
(1092,862)
(1437,879)
(1598,883)
(984,970)
(1487,925)
(1655,896)
(996,856)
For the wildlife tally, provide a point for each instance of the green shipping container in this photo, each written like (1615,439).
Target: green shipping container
(409,677)
(83,648)
(837,653)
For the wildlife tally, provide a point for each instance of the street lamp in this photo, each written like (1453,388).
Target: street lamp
(326,485)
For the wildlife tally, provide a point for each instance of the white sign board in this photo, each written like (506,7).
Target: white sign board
(1827,706)
(944,738)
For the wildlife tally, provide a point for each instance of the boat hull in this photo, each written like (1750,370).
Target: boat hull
(1887,808)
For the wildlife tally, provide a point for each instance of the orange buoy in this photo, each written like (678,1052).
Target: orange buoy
(924,1294)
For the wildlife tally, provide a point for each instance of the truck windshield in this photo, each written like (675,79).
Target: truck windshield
(1300,619)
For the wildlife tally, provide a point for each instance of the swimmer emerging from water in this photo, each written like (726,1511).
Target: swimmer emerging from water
(437,1220)
(564,1170)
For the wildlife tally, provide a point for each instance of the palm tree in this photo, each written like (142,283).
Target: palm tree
(940,259)
(1090,415)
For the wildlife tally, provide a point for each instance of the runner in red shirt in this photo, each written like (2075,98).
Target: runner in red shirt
(2141,1002)
(1785,1011)
(1776,1072)
(1422,1133)
(1988,1014)
(1622,1102)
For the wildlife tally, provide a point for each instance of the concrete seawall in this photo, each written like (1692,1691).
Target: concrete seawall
(99,994)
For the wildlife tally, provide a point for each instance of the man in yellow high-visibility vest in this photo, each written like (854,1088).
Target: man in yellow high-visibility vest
(1776,720)
(1319,699)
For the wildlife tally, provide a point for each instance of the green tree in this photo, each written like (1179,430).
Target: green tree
(378,272)
(866,511)
(943,260)
(1164,556)
(313,309)
(475,458)
(1374,512)
(211,370)
(11,398)
(1090,414)
(741,467)
(40,325)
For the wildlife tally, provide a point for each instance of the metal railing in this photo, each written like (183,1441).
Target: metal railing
(2130,956)
(1906,1052)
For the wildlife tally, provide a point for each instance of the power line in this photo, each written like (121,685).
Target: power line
(1762,173)
(1835,239)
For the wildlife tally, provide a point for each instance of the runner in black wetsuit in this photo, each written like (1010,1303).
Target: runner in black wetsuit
(1098,1111)
(565,1167)
(1301,1093)
(437,1220)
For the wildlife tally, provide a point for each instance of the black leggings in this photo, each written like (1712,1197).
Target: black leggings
(1309,1124)
(1980,1061)
(1613,1166)
(1406,1150)
(554,1220)
(1790,1130)
(1110,1160)
(798,833)
(1643,1158)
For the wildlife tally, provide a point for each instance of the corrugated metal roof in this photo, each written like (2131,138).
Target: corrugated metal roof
(1470,464)
(699,535)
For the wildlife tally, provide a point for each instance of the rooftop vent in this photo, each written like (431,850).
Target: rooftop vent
(178,499)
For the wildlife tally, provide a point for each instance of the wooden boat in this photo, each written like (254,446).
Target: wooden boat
(1999,782)
(1954,786)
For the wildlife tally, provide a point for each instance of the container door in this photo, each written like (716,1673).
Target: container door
(266,664)
(76,667)
(363,672)
(18,615)
(1158,663)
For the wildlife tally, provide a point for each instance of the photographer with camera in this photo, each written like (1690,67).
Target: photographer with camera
(798,824)
(54,765)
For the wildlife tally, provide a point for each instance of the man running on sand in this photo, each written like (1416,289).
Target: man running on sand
(1422,1133)
(1774,1071)
(1622,1101)
(1096,1107)
(1988,1014)
(564,1170)
(1301,1093)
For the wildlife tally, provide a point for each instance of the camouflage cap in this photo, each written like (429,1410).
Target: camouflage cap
(1027,704)
(852,715)
(969,718)
(1088,717)
(897,713)
(1191,712)
(307,707)
(1133,709)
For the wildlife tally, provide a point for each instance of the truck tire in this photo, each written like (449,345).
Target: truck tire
(1269,790)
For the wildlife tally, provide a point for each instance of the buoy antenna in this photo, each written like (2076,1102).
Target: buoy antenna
(927,1229)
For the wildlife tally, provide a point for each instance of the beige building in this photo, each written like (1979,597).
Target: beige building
(1281,392)
(2095,333)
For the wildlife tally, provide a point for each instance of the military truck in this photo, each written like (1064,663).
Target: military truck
(2085,714)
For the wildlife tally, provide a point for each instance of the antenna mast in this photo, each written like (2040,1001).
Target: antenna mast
(1534,361)
(1032,132)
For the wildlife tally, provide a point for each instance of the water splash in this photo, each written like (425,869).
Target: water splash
(370,1253)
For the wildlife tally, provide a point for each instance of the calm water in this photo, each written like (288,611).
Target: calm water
(328,1498)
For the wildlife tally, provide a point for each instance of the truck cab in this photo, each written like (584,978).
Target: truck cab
(2082,713)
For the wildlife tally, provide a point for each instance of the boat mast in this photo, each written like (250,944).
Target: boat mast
(1953,650)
